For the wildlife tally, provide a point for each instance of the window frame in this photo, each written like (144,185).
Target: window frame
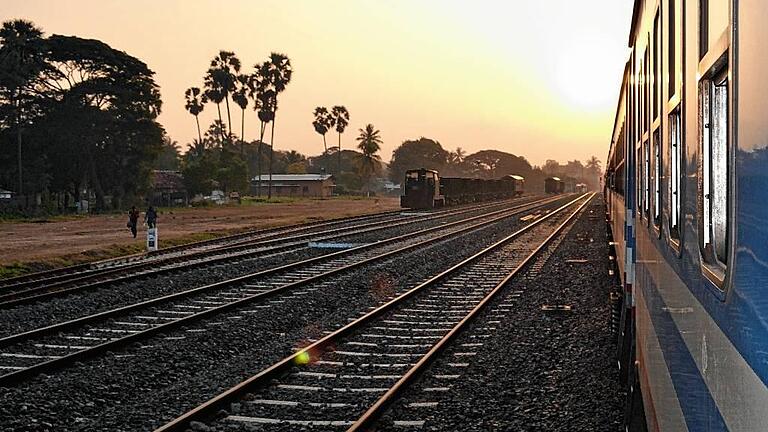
(676,151)
(657,177)
(712,267)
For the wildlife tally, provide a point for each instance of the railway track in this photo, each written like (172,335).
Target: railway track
(41,350)
(274,241)
(62,273)
(345,380)
(56,274)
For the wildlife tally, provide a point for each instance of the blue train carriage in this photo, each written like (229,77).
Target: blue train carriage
(686,187)
(421,189)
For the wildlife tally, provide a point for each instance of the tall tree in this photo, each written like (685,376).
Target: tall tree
(223,72)
(103,109)
(195,103)
(214,93)
(277,74)
(322,123)
(421,153)
(369,143)
(340,117)
(240,97)
(20,63)
(263,98)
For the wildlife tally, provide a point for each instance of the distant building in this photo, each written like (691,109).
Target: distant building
(167,188)
(296,185)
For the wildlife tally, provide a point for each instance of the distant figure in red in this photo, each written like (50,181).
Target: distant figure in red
(150,217)
(133,220)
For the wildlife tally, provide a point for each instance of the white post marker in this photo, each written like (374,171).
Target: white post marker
(152,239)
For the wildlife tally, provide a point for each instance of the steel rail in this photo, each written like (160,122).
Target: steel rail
(209,408)
(20,375)
(66,271)
(378,408)
(63,272)
(220,254)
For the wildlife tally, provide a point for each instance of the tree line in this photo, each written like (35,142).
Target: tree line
(75,115)
(78,119)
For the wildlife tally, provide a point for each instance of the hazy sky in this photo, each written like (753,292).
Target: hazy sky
(534,78)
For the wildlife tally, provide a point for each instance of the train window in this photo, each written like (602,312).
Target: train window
(676,152)
(646,92)
(715,166)
(657,175)
(646,178)
(713,21)
(655,77)
(671,48)
(639,182)
(703,28)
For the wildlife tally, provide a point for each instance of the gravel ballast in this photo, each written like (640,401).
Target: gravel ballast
(526,368)
(110,296)
(152,382)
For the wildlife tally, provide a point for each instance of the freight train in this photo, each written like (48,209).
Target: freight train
(425,189)
(553,185)
(686,189)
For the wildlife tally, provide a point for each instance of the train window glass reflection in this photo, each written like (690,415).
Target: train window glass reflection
(714,105)
(646,175)
(657,175)
(703,28)
(675,150)
(671,48)
(655,76)
(639,181)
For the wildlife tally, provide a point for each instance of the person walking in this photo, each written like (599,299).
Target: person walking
(133,220)
(150,217)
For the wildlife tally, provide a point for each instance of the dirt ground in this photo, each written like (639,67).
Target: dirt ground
(100,236)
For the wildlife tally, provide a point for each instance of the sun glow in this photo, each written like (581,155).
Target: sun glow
(478,75)
(585,74)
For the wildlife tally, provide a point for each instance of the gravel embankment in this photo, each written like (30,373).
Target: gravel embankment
(535,370)
(149,384)
(59,309)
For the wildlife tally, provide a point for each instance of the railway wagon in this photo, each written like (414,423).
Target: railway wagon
(686,190)
(424,188)
(553,185)
(518,183)
(581,188)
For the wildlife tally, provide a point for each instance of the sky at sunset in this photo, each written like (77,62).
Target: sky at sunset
(534,78)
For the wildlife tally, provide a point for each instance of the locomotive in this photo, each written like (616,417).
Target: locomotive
(686,192)
(425,189)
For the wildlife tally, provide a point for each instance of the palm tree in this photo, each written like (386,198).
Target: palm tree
(458,156)
(214,93)
(262,97)
(222,76)
(20,62)
(322,123)
(593,164)
(240,97)
(195,103)
(277,73)
(369,143)
(340,117)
